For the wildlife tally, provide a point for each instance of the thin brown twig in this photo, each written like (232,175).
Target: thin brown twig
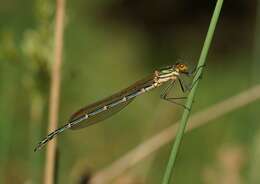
(154,143)
(55,92)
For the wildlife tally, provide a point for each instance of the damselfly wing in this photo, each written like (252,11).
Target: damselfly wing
(109,106)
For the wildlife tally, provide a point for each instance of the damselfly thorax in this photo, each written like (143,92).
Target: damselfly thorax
(107,107)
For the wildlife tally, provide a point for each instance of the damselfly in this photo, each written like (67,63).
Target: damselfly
(107,107)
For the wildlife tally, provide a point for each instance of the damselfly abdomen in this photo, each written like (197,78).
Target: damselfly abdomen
(105,108)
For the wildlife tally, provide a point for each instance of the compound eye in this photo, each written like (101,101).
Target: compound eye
(181,66)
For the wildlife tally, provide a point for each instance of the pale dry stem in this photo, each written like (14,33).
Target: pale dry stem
(55,92)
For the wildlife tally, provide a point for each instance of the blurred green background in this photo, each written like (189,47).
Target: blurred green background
(107,46)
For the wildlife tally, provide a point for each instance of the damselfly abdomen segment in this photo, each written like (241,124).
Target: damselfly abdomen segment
(105,108)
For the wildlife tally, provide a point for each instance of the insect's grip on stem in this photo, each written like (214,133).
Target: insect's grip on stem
(195,70)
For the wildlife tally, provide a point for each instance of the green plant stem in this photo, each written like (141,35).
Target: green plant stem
(186,113)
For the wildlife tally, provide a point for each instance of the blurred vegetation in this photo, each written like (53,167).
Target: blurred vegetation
(109,45)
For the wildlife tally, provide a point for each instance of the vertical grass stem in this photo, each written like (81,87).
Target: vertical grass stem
(186,113)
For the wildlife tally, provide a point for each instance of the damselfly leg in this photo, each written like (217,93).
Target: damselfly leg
(193,73)
(166,91)
(195,70)
(184,88)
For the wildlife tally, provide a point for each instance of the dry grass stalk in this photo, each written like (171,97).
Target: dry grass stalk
(55,92)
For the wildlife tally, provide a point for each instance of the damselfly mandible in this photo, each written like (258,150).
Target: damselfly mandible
(105,108)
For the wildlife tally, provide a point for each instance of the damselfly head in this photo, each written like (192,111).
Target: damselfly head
(181,68)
